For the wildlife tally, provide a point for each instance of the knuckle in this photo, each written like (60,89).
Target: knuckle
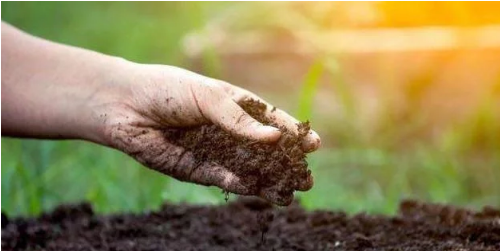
(208,95)
(227,87)
(212,86)
(246,122)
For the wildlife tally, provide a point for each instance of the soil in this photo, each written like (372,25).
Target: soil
(250,224)
(279,168)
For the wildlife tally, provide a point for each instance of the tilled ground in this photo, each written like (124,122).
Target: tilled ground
(250,224)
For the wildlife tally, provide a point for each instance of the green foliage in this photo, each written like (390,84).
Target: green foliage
(308,92)
(38,175)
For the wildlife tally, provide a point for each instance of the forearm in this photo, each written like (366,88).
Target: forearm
(51,90)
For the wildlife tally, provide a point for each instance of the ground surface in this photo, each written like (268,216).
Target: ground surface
(240,225)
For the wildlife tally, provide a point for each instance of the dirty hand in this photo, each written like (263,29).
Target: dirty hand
(54,91)
(160,96)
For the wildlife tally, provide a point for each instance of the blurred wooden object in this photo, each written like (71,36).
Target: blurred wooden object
(345,41)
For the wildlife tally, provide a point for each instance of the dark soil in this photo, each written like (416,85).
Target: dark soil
(251,224)
(277,169)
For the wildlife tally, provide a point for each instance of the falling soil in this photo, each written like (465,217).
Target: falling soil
(279,168)
(250,224)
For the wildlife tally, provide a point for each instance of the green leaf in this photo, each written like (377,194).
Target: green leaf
(309,88)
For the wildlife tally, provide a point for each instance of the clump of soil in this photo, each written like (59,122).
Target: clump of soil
(277,167)
(250,224)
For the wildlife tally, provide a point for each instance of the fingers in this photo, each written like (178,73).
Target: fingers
(215,175)
(223,111)
(206,174)
(152,149)
(311,141)
(240,123)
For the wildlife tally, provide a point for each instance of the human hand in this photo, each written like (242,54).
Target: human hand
(54,91)
(155,97)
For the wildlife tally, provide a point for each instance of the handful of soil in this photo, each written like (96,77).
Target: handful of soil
(278,168)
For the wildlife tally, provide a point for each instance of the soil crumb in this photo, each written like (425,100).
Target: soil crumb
(279,167)
(247,224)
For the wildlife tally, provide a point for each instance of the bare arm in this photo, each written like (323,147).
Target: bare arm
(49,89)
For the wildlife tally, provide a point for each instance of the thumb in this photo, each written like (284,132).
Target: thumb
(232,118)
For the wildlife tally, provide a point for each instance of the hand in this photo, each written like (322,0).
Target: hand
(156,96)
(54,91)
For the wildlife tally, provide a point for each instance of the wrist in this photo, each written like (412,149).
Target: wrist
(109,96)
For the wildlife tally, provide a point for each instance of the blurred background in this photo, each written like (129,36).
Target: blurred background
(406,97)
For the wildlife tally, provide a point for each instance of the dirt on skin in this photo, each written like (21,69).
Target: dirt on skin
(250,224)
(278,169)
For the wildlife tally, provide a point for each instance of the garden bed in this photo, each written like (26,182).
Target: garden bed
(250,224)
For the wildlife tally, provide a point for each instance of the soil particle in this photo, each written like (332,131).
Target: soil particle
(239,226)
(279,168)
